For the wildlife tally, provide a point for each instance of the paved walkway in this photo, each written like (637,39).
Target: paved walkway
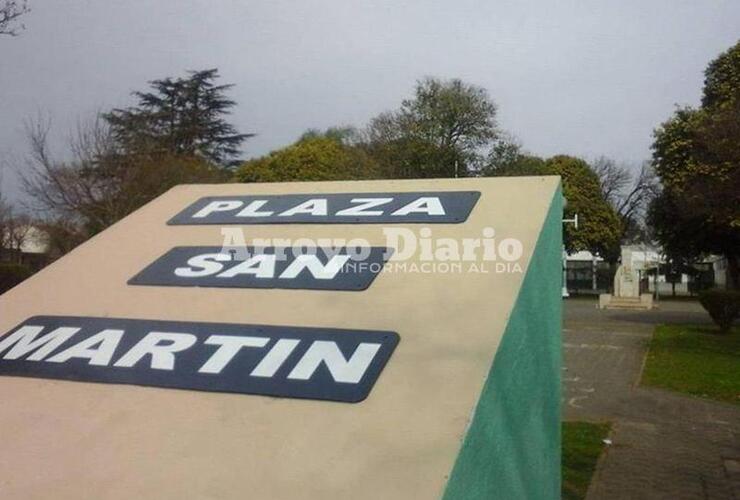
(664,445)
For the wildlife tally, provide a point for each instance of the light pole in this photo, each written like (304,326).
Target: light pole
(573,221)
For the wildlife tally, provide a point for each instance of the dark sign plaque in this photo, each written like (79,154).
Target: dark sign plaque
(269,267)
(293,362)
(435,207)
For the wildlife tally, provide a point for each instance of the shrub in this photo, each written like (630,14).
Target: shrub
(722,305)
(12,274)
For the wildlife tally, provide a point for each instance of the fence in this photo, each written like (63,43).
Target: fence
(688,282)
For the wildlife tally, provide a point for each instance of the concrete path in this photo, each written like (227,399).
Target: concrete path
(664,445)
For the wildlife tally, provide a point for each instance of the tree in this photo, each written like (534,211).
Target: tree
(696,154)
(629,195)
(10,12)
(60,236)
(414,158)
(345,135)
(450,114)
(438,133)
(315,157)
(718,150)
(599,228)
(103,182)
(124,158)
(14,232)
(507,158)
(696,157)
(674,227)
(183,117)
(722,79)
(613,179)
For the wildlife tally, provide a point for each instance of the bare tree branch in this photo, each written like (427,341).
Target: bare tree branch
(68,189)
(628,195)
(100,182)
(613,178)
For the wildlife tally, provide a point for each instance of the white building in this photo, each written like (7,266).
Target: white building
(585,269)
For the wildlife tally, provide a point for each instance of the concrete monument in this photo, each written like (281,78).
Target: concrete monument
(626,288)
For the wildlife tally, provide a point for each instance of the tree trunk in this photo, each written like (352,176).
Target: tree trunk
(733,272)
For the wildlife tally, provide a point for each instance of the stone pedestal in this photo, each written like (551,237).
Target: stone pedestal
(608,301)
(626,290)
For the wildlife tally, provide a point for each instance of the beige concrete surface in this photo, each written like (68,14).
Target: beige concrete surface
(85,440)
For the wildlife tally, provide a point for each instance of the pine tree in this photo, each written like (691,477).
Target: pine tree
(181,116)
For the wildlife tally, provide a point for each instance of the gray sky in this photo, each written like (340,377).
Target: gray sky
(586,78)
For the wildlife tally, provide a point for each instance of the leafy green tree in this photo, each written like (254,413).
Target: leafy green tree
(440,132)
(722,79)
(347,135)
(696,154)
(181,116)
(507,158)
(315,157)
(599,228)
(414,158)
(676,228)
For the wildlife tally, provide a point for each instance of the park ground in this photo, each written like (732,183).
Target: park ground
(663,444)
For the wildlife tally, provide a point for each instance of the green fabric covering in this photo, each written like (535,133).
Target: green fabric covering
(512,448)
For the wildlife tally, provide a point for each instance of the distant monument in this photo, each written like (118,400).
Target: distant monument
(626,288)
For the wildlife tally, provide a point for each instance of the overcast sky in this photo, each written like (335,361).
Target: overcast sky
(586,78)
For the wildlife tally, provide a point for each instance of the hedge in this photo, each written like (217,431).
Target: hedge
(722,305)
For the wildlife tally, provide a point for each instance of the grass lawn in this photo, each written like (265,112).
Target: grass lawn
(582,445)
(695,360)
